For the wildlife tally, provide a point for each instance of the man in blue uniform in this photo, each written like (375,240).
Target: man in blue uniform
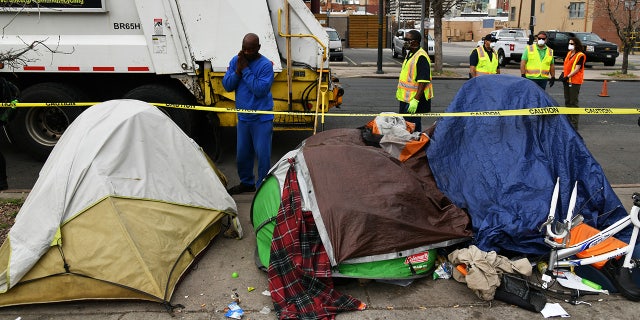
(250,75)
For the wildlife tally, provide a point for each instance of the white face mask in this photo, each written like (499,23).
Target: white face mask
(492,45)
(541,42)
(571,47)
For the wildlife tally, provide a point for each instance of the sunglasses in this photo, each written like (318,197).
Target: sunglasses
(407,39)
(542,38)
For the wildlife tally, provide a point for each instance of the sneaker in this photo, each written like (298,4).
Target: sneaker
(241,188)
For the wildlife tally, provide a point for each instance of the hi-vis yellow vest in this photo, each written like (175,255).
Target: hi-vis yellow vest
(536,68)
(407,86)
(486,66)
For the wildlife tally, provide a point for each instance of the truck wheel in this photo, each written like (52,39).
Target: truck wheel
(204,130)
(404,52)
(502,61)
(610,62)
(37,130)
(393,51)
(162,93)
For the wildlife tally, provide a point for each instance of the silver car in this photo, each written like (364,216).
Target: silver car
(397,45)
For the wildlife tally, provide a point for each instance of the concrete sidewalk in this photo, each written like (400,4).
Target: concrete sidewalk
(392,71)
(207,288)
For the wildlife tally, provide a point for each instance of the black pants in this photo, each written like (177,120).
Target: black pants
(571,100)
(424,106)
(3,172)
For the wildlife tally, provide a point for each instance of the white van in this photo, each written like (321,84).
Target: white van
(335,45)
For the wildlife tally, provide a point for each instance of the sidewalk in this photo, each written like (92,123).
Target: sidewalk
(391,71)
(206,290)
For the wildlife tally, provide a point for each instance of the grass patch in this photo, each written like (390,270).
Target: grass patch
(12,201)
(620,75)
(448,73)
(9,209)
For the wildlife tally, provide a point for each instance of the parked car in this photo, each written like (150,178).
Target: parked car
(335,45)
(509,44)
(596,49)
(397,45)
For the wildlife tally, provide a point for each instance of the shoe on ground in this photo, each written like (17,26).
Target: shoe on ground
(241,188)
(622,278)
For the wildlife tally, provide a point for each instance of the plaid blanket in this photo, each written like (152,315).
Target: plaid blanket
(299,268)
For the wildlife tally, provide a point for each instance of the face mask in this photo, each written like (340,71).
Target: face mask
(571,47)
(492,45)
(541,42)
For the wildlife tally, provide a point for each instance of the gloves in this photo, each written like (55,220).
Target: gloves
(552,81)
(413,106)
(561,78)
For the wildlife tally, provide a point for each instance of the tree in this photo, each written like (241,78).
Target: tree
(625,16)
(15,58)
(440,8)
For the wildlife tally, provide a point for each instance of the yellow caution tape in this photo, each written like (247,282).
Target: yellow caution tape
(490,113)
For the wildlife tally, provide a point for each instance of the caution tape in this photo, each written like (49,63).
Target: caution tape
(490,113)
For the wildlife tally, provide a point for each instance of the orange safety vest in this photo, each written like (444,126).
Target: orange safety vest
(570,63)
(536,68)
(407,85)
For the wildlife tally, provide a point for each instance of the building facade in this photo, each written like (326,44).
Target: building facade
(564,15)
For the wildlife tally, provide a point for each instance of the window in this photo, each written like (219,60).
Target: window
(562,37)
(542,7)
(576,10)
(512,14)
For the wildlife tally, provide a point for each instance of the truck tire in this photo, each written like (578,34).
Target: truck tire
(393,51)
(610,62)
(502,60)
(163,93)
(37,130)
(203,127)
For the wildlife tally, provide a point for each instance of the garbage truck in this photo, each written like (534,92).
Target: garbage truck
(170,52)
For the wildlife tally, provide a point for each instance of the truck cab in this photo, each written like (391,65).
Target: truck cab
(510,44)
(595,48)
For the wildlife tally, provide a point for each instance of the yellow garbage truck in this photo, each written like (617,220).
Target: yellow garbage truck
(173,52)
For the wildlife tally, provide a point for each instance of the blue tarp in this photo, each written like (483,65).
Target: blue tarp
(503,169)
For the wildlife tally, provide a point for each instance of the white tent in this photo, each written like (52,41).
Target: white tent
(124,189)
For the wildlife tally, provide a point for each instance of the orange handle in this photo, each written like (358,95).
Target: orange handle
(462,268)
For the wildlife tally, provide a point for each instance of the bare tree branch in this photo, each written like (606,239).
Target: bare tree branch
(15,58)
(625,17)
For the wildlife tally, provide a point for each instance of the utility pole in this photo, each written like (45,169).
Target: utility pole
(380,15)
(424,43)
(532,22)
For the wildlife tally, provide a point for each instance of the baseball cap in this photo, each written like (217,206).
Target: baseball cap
(489,37)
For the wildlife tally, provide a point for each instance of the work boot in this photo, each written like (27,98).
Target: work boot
(622,278)
(241,188)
